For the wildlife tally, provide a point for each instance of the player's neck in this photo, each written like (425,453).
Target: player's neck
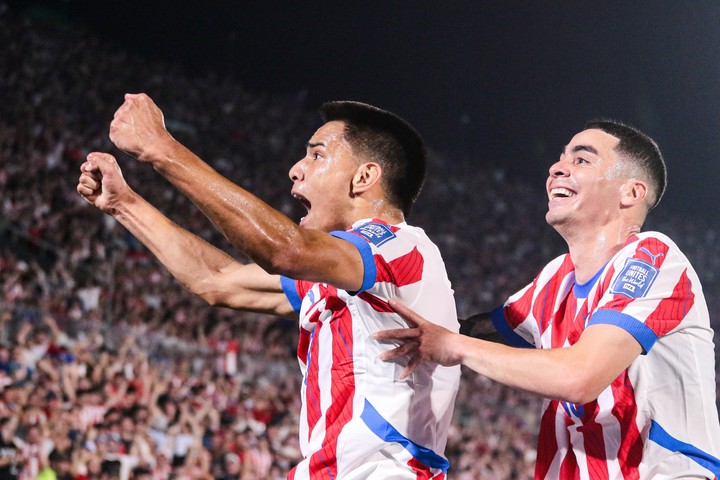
(380,209)
(591,249)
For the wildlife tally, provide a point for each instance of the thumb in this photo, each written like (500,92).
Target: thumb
(103,162)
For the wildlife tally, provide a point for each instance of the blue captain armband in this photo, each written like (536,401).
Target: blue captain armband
(369,269)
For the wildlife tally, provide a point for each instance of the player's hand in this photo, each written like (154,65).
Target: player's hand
(138,127)
(424,341)
(101,181)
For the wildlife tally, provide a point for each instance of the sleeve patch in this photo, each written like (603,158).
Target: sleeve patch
(635,279)
(376,233)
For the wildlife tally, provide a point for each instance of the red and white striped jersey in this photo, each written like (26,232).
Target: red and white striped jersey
(658,419)
(359,420)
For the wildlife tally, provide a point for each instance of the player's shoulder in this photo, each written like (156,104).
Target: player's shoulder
(642,261)
(657,236)
(650,244)
(649,251)
(375,231)
(381,233)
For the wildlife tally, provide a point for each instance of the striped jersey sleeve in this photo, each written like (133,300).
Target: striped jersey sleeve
(647,290)
(525,315)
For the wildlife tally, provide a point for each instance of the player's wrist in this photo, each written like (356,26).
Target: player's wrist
(462,348)
(122,203)
(168,155)
(160,151)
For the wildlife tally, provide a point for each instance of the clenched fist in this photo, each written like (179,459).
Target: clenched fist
(101,181)
(138,128)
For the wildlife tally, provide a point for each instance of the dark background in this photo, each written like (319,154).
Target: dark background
(505,83)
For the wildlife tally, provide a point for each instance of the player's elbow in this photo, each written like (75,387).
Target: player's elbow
(579,388)
(209,289)
(212,298)
(286,261)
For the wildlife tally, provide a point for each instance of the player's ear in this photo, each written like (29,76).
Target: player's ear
(366,176)
(633,192)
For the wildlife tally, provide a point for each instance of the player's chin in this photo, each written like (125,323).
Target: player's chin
(307,222)
(312,223)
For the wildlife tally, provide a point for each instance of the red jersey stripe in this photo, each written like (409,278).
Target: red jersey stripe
(625,411)
(594,442)
(670,311)
(547,442)
(312,392)
(377,304)
(404,270)
(518,311)
(323,463)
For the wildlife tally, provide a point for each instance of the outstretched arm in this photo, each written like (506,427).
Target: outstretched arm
(203,269)
(577,374)
(270,238)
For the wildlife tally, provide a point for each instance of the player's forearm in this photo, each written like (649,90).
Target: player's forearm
(266,235)
(555,374)
(191,260)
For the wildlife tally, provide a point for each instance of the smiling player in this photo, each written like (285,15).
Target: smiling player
(623,345)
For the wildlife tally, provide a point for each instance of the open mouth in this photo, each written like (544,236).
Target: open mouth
(304,201)
(561,192)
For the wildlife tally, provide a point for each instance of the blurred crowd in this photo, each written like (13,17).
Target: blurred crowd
(110,369)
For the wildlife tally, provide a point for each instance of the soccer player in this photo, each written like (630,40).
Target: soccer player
(351,252)
(623,345)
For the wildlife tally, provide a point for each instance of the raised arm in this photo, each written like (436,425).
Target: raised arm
(577,374)
(203,269)
(270,238)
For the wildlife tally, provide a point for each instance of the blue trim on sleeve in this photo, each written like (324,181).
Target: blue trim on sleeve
(500,322)
(664,439)
(642,333)
(290,289)
(388,433)
(370,271)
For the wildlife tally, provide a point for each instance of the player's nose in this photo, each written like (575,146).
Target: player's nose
(559,169)
(296,171)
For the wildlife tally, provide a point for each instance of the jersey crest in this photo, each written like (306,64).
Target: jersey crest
(635,279)
(376,233)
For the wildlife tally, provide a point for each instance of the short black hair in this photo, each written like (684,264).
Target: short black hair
(388,140)
(639,148)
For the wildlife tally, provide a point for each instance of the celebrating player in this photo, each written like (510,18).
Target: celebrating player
(623,344)
(352,252)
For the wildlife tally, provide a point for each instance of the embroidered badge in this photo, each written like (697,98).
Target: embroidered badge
(376,233)
(635,279)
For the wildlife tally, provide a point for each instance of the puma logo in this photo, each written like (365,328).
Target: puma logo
(652,257)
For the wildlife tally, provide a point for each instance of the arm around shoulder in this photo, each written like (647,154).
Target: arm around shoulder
(576,374)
